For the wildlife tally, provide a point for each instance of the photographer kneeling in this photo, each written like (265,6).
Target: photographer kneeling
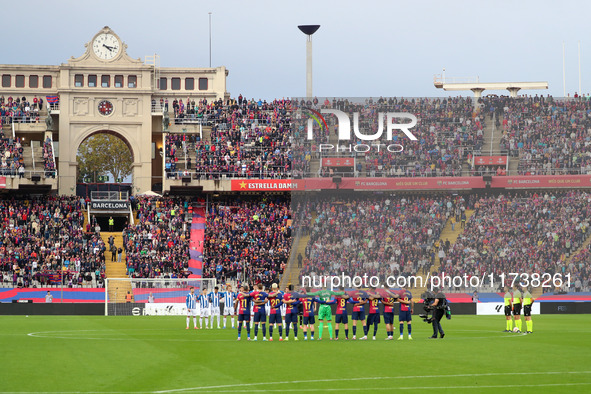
(438,306)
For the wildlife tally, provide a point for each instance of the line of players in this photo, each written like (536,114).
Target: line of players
(207,306)
(282,309)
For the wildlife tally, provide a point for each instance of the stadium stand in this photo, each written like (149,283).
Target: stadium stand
(42,236)
(249,237)
(379,236)
(158,244)
(550,136)
(546,229)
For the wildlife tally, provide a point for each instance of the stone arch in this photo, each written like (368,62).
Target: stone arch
(115,131)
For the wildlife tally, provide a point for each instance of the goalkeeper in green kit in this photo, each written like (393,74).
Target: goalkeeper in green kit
(326,299)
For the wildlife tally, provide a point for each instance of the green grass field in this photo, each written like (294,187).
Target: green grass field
(61,354)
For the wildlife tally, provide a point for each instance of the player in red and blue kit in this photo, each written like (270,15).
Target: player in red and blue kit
(259,298)
(242,304)
(373,316)
(405,315)
(341,315)
(275,302)
(309,320)
(389,316)
(358,314)
(291,314)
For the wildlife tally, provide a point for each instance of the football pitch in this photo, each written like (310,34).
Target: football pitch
(80,354)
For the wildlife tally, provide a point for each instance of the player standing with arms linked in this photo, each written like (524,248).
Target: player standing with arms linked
(389,316)
(191,303)
(275,303)
(291,314)
(373,316)
(242,303)
(341,315)
(260,299)
(214,298)
(358,314)
(204,306)
(405,315)
(325,299)
(309,320)
(229,298)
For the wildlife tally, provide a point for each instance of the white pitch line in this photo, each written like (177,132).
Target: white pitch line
(365,389)
(370,378)
(209,389)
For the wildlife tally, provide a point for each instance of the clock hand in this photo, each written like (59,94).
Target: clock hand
(108,47)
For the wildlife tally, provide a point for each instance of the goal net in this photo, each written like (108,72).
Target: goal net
(139,297)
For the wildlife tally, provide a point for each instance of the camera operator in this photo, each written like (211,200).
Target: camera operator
(438,307)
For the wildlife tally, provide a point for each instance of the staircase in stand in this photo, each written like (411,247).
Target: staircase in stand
(446,234)
(114,270)
(291,275)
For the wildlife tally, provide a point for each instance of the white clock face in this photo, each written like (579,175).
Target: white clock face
(106,46)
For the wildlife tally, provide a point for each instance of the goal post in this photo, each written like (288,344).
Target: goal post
(158,297)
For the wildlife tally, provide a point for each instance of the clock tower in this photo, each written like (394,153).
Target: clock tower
(106,91)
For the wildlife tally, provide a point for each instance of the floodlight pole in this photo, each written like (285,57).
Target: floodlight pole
(309,30)
(209,39)
(309,66)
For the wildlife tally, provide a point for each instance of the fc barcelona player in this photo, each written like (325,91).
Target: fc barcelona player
(373,316)
(341,315)
(358,314)
(309,320)
(291,314)
(389,316)
(243,304)
(405,314)
(275,303)
(260,299)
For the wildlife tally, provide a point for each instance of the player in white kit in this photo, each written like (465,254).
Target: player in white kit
(191,303)
(204,306)
(229,297)
(214,299)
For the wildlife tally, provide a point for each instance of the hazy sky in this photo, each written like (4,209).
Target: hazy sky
(364,48)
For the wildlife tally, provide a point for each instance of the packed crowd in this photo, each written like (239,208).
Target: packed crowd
(545,229)
(248,239)
(580,267)
(550,136)
(19,110)
(40,236)
(247,139)
(11,157)
(243,239)
(254,138)
(380,236)
(158,244)
(448,131)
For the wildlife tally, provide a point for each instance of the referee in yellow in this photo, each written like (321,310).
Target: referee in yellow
(528,300)
(508,298)
(517,302)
